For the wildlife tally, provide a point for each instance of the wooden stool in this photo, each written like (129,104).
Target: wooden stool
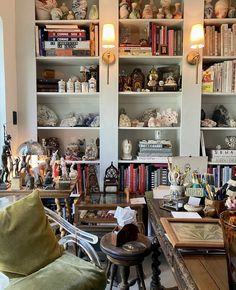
(130,254)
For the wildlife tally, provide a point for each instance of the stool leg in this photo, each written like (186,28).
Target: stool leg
(113,273)
(108,269)
(124,271)
(139,269)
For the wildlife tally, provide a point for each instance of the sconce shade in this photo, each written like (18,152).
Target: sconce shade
(108,36)
(197,36)
(30,148)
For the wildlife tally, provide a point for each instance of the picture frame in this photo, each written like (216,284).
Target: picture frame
(194,233)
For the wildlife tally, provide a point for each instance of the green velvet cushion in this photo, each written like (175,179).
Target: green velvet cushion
(66,273)
(27,242)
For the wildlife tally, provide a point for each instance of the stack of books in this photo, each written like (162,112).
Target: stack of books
(152,149)
(222,155)
(47,85)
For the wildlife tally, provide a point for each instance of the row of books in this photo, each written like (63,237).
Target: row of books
(220,77)
(166,41)
(66,40)
(222,155)
(142,177)
(221,173)
(220,42)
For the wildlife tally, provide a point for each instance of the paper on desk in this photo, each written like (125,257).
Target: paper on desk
(160,191)
(125,216)
(182,214)
(138,200)
(195,201)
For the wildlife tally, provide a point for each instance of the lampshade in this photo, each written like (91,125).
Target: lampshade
(108,36)
(30,148)
(197,36)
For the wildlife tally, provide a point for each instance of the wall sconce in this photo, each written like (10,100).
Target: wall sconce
(197,42)
(108,41)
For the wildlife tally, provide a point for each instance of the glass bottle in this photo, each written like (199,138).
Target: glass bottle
(92,84)
(70,86)
(61,86)
(78,88)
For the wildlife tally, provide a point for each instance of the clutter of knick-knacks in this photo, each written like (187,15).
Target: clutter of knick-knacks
(221,9)
(150,10)
(79,9)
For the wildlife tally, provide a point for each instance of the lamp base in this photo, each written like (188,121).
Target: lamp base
(193,57)
(108,57)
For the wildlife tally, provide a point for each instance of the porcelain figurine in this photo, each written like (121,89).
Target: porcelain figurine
(79,7)
(126,150)
(177,14)
(124,121)
(134,14)
(160,14)
(152,78)
(70,15)
(147,12)
(154,8)
(70,86)
(165,4)
(93,13)
(208,9)
(124,9)
(78,87)
(56,14)
(43,8)
(221,8)
(61,86)
(65,10)
(92,85)
(232,12)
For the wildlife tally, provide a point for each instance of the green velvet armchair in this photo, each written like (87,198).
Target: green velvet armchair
(31,258)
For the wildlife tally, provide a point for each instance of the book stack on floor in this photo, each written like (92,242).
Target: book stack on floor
(153,149)
(66,40)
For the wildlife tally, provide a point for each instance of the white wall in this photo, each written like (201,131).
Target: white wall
(8,89)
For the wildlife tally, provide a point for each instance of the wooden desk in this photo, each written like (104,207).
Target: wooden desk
(192,271)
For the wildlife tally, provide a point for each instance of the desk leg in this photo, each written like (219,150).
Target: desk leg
(156,280)
(124,271)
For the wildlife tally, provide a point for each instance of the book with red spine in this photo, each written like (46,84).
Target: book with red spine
(154,39)
(142,178)
(80,185)
(171,42)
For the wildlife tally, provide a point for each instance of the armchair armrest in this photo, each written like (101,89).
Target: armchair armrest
(90,238)
(77,236)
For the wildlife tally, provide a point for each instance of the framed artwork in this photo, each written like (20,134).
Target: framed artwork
(194,233)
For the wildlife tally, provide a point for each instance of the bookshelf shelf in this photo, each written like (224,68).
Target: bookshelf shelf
(84,22)
(214,94)
(150,60)
(213,59)
(82,161)
(69,60)
(150,128)
(167,22)
(147,94)
(68,95)
(70,128)
(218,129)
(219,21)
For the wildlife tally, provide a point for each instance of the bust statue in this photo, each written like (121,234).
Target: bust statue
(126,150)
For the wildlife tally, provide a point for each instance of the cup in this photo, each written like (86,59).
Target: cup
(228,224)
(213,208)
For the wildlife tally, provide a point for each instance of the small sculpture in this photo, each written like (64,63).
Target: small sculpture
(93,13)
(232,12)
(221,8)
(153,78)
(124,121)
(56,14)
(6,154)
(154,8)
(208,9)
(169,117)
(73,172)
(124,9)
(160,14)
(64,173)
(65,10)
(147,12)
(177,14)
(79,7)
(231,142)
(48,182)
(91,151)
(70,15)
(137,80)
(208,123)
(46,117)
(134,14)
(126,150)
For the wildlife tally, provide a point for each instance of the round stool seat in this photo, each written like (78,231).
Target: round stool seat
(130,254)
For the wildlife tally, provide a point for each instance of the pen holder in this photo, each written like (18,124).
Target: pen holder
(213,208)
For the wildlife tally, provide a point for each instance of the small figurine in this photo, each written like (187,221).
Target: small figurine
(208,10)
(232,12)
(93,13)
(73,172)
(147,12)
(152,77)
(177,14)
(160,14)
(126,150)
(64,173)
(6,154)
(70,15)
(65,10)
(154,8)
(221,8)
(124,9)
(56,14)
(134,14)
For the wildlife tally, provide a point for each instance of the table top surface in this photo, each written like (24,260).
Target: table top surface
(193,270)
